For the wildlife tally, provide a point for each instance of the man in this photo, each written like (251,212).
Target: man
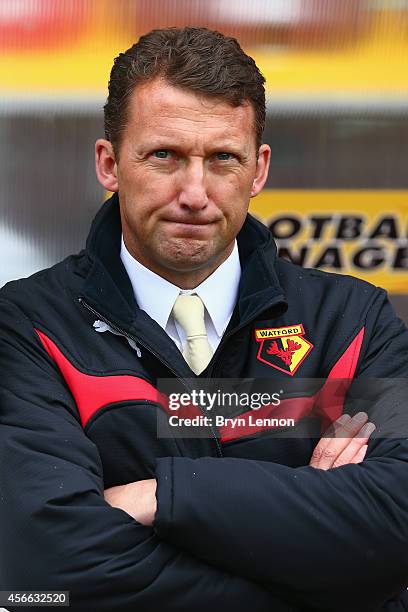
(92,500)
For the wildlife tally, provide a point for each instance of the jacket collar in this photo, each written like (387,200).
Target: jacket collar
(259,288)
(108,289)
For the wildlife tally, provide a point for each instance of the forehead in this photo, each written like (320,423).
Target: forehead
(157,108)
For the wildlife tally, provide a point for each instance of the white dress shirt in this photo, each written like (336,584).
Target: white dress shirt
(156,296)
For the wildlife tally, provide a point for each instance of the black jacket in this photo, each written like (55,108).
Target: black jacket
(243,522)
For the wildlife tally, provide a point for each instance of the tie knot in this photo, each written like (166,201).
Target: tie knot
(188,310)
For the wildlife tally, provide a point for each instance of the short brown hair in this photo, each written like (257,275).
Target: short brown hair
(196,59)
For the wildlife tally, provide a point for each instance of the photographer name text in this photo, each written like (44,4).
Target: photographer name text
(229,422)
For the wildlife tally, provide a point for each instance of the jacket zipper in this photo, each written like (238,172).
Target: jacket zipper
(138,341)
(236,329)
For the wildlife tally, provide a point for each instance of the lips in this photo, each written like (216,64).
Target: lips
(199,229)
(181,228)
(191,222)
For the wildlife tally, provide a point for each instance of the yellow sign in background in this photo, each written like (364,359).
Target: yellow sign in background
(363,233)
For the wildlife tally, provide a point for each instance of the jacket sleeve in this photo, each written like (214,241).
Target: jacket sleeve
(334,539)
(56,530)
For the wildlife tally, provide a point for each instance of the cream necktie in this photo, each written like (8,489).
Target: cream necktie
(188,310)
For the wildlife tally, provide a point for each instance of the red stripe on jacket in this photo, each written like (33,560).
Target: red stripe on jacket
(91,393)
(327,403)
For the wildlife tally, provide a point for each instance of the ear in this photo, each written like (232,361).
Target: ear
(105,165)
(262,168)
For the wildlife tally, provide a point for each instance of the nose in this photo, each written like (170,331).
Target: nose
(192,187)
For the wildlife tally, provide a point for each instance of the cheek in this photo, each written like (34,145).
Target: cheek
(236,195)
(240,184)
(146,195)
(158,189)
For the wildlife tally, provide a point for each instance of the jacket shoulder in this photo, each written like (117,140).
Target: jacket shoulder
(319,284)
(47,283)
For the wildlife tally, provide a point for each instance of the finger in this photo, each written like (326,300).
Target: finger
(324,441)
(359,457)
(354,446)
(329,434)
(335,426)
(329,449)
(350,427)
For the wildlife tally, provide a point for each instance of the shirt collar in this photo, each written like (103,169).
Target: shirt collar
(218,292)
(148,286)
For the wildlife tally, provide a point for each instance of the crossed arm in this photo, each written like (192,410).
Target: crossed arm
(329,539)
(347,446)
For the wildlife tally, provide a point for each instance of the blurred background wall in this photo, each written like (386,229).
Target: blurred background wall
(337,84)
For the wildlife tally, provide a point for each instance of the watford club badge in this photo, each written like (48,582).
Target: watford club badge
(283,348)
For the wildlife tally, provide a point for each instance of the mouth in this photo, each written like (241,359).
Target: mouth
(191,223)
(190,230)
(196,228)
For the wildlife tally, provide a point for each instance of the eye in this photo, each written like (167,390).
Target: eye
(223,156)
(161,154)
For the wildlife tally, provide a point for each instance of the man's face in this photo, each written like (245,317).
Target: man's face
(186,172)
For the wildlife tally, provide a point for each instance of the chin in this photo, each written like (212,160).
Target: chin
(188,261)
(183,250)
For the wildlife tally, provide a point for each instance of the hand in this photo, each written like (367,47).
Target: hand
(344,442)
(136,498)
